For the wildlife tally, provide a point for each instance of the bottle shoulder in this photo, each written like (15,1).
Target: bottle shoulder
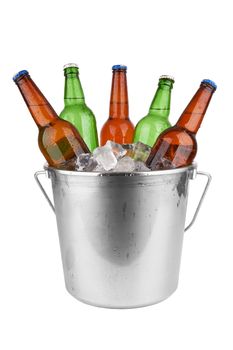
(119,122)
(179,135)
(77,111)
(114,127)
(154,122)
(78,107)
(59,126)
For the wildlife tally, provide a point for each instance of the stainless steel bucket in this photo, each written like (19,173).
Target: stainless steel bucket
(121,234)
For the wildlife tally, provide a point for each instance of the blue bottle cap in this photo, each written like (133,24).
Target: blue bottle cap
(209,82)
(119,67)
(20,74)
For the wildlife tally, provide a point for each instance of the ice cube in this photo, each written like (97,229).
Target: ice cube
(99,168)
(163,164)
(125,164)
(105,157)
(166,164)
(141,152)
(140,166)
(129,148)
(116,148)
(85,162)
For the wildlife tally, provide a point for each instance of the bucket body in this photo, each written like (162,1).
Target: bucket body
(121,234)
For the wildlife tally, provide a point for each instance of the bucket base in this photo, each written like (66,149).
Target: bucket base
(136,306)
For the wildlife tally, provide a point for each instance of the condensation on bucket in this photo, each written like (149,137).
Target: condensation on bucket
(121,235)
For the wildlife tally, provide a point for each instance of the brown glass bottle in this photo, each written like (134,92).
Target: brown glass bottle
(177,146)
(118,127)
(58,140)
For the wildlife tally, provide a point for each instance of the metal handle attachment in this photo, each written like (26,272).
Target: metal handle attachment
(209,178)
(36,175)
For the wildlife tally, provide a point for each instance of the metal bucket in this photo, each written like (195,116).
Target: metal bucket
(121,234)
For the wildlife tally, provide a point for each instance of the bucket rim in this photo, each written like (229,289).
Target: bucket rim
(189,168)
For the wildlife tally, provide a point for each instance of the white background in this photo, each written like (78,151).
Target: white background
(190,40)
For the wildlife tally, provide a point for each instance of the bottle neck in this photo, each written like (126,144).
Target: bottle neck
(160,105)
(73,93)
(40,109)
(119,108)
(194,113)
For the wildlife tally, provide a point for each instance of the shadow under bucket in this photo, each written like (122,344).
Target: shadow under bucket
(121,233)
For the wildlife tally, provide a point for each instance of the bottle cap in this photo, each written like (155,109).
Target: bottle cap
(169,77)
(70,65)
(209,82)
(119,67)
(20,74)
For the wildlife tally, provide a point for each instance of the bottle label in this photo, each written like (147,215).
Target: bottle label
(61,151)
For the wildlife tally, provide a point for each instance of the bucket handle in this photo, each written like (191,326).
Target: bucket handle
(209,178)
(36,175)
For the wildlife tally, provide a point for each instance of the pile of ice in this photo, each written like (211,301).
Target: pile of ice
(115,157)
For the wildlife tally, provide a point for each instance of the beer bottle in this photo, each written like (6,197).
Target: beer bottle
(177,146)
(58,140)
(118,127)
(76,111)
(150,127)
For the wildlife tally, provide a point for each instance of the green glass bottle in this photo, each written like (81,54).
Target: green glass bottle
(150,127)
(76,111)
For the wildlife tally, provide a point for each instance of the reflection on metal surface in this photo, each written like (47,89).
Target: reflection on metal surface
(121,236)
